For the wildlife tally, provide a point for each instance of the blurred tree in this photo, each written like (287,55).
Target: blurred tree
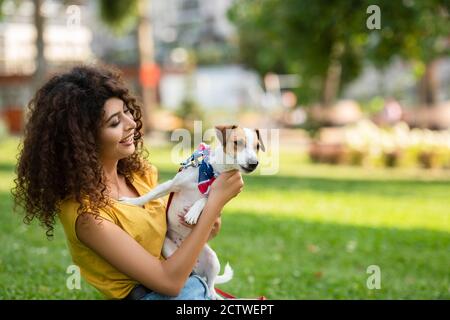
(41,62)
(39,22)
(189,110)
(315,39)
(120,15)
(327,43)
(416,31)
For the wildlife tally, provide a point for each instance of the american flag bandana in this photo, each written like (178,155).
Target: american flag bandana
(206,174)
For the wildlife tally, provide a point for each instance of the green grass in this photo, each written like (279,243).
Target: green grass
(309,232)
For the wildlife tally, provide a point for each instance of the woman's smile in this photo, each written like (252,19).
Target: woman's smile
(117,133)
(128,141)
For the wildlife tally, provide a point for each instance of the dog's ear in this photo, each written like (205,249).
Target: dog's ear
(260,142)
(223,132)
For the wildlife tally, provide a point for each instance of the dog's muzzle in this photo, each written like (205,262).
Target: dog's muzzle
(250,167)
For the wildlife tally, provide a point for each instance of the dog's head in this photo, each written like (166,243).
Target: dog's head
(240,147)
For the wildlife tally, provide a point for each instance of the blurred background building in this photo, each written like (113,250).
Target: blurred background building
(64,46)
(259,63)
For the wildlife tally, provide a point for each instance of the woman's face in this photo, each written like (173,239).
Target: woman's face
(117,131)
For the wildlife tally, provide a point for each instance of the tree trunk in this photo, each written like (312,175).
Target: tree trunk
(429,85)
(41,63)
(146,59)
(333,76)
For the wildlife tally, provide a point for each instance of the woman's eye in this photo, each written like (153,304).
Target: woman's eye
(115,124)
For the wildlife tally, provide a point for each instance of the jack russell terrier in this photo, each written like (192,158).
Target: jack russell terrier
(189,189)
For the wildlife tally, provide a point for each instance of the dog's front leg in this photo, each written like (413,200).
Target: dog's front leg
(158,192)
(194,212)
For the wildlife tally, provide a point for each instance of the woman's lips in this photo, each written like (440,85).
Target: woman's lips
(127,141)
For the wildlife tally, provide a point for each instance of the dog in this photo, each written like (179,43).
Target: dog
(238,149)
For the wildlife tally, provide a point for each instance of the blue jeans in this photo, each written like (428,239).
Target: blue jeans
(195,288)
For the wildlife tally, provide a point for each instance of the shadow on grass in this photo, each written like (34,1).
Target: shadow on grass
(281,258)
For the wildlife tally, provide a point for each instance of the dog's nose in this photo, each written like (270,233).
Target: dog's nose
(253,165)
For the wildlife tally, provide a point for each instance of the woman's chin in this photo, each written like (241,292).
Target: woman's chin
(127,150)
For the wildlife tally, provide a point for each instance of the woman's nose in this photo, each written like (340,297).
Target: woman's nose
(131,123)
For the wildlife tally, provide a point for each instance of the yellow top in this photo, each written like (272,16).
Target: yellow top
(146,225)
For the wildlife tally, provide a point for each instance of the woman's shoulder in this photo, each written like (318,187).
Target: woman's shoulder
(67,214)
(68,206)
(148,174)
(68,211)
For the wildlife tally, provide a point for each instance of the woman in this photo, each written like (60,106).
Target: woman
(82,151)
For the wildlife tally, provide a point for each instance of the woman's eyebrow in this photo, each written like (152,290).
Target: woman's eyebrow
(113,115)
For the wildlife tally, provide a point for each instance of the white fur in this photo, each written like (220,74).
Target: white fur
(186,194)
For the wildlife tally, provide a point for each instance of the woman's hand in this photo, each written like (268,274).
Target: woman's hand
(227,185)
(214,231)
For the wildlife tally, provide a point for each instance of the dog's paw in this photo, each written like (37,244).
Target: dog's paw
(191,217)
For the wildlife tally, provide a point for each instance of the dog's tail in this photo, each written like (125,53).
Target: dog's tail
(226,276)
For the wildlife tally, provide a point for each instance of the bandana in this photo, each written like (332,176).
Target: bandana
(206,174)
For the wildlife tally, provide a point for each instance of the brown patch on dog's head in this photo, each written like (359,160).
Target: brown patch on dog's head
(223,132)
(232,138)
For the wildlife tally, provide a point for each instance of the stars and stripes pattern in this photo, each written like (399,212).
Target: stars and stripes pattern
(206,177)
(206,174)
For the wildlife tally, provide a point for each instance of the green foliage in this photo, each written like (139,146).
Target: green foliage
(414,30)
(189,109)
(119,15)
(215,53)
(1,11)
(374,105)
(301,37)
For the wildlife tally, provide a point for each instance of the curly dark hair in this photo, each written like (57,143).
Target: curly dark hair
(59,157)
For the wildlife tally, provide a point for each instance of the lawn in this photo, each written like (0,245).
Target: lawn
(308,232)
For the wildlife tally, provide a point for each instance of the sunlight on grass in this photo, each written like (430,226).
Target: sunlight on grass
(367,210)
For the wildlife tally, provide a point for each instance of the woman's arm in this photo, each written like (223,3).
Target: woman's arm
(124,253)
(216,228)
(214,231)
